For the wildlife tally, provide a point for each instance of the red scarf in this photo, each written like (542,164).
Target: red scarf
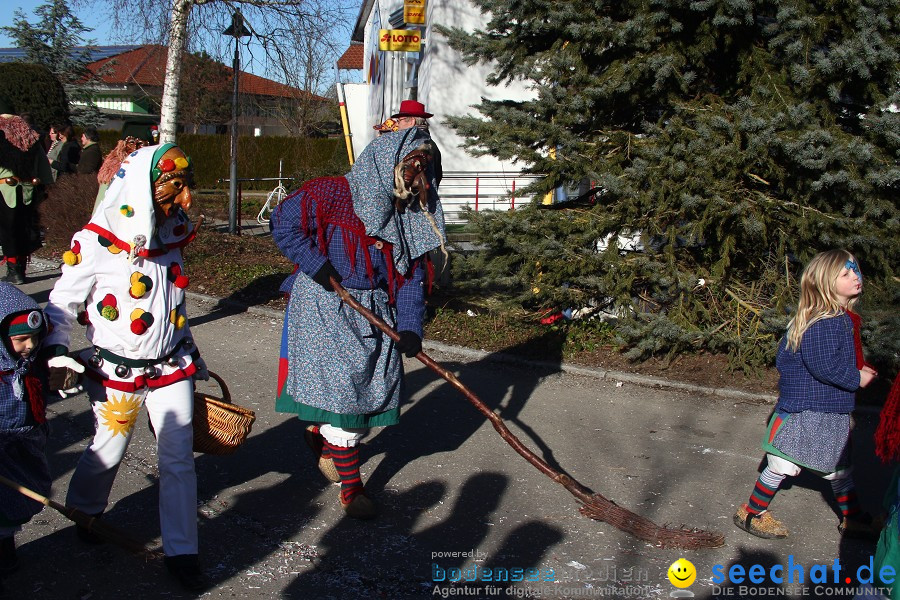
(334,206)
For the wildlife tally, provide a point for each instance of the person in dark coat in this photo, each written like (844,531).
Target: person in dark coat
(69,153)
(91,158)
(24,175)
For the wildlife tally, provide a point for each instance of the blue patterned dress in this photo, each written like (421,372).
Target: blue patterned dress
(335,367)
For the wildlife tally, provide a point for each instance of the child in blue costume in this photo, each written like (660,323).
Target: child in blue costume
(336,370)
(810,427)
(23,422)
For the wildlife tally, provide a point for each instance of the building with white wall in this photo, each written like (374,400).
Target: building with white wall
(437,77)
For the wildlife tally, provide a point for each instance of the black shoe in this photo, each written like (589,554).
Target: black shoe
(86,535)
(8,559)
(186,569)
(14,274)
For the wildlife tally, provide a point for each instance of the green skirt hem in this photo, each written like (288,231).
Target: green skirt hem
(286,404)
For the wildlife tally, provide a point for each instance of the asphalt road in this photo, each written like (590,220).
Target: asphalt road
(457,501)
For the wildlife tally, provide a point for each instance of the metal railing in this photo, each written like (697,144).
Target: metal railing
(480,190)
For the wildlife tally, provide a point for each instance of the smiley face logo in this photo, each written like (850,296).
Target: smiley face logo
(682,573)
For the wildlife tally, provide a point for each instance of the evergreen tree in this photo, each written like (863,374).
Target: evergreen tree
(33,89)
(56,42)
(736,138)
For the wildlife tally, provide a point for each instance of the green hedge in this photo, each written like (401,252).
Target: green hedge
(304,158)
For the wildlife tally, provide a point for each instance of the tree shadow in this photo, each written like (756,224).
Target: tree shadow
(422,431)
(399,560)
(260,291)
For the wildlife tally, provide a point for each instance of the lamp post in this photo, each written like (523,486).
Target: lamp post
(236,30)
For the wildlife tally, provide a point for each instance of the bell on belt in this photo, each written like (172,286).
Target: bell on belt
(95,361)
(172,361)
(122,371)
(150,372)
(188,343)
(36,181)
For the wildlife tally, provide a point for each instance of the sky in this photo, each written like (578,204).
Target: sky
(103,35)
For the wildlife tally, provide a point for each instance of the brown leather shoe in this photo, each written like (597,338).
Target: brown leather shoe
(316,443)
(860,527)
(764,526)
(361,507)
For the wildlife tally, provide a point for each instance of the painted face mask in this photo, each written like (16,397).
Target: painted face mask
(851,265)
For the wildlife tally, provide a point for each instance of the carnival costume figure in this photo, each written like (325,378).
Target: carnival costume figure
(126,267)
(24,175)
(370,230)
(23,420)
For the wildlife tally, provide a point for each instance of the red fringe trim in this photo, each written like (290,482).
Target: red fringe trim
(887,436)
(353,232)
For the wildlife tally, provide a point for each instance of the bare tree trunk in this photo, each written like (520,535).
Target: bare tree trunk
(181,10)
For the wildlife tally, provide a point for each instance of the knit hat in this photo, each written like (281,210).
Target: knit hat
(27,322)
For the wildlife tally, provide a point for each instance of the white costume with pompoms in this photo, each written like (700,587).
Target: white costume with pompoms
(129,275)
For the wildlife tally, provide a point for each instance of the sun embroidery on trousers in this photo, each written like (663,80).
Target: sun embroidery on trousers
(120,414)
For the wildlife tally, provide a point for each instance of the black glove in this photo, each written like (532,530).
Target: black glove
(409,343)
(322,276)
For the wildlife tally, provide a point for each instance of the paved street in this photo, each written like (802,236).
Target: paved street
(454,495)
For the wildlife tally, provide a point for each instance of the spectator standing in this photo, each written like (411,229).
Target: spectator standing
(91,158)
(69,153)
(412,114)
(55,147)
(24,172)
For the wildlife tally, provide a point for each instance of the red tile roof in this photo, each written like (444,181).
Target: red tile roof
(146,65)
(352,58)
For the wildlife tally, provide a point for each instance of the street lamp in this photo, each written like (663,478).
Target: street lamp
(236,30)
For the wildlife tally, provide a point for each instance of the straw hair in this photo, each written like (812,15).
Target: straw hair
(817,296)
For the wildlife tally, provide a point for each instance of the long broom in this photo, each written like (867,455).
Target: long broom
(593,505)
(90,522)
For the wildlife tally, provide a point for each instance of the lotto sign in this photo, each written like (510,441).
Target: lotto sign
(399,40)
(414,12)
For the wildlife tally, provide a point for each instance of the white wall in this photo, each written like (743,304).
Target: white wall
(447,86)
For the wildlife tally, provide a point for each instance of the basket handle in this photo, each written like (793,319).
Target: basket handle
(226,395)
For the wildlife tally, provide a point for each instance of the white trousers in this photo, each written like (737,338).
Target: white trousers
(115,413)
(345,438)
(785,467)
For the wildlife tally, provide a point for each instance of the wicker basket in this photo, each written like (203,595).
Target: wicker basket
(220,426)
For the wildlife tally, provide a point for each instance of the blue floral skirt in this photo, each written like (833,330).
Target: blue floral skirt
(335,366)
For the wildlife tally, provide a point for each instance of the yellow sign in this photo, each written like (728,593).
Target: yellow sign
(399,40)
(414,12)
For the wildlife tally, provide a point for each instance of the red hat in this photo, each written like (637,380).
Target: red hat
(411,108)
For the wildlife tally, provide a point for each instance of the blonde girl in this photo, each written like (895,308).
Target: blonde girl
(819,375)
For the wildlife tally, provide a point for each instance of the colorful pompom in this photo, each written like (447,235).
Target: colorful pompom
(181,163)
(108,308)
(140,284)
(140,321)
(73,257)
(83,318)
(166,165)
(178,320)
(175,276)
(126,210)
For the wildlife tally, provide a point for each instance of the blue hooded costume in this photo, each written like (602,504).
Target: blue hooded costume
(23,427)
